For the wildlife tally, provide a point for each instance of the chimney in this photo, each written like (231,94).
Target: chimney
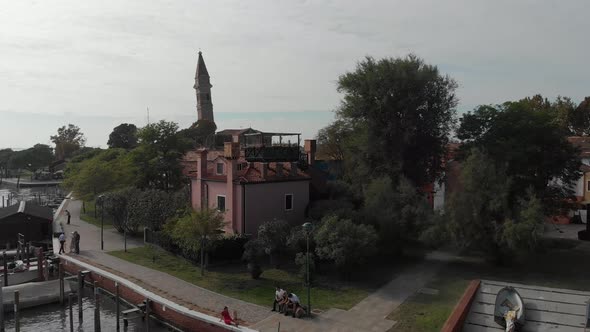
(279,169)
(293,171)
(264,170)
(310,149)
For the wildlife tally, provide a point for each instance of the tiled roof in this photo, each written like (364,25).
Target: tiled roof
(583,142)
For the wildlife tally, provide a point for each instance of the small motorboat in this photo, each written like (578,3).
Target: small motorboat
(509,310)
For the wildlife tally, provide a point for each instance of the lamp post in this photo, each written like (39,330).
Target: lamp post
(308,228)
(101,201)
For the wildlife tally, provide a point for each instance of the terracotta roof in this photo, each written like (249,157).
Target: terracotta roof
(583,142)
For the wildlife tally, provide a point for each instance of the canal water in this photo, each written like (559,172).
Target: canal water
(55,317)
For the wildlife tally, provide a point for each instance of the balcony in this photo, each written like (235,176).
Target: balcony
(272,147)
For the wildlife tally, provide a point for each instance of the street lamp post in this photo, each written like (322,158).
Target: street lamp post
(101,200)
(308,227)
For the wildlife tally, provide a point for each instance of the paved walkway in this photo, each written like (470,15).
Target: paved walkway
(369,314)
(170,287)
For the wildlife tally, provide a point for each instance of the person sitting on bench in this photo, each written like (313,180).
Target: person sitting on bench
(279,299)
(292,303)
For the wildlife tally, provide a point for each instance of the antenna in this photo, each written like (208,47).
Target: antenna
(148,115)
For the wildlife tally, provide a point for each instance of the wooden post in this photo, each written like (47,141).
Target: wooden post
(5,268)
(71,312)
(147,315)
(80,290)
(1,310)
(118,305)
(16,304)
(61,283)
(96,308)
(40,276)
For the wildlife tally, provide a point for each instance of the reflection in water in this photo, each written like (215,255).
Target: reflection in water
(54,317)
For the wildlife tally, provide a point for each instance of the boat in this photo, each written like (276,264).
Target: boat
(508,301)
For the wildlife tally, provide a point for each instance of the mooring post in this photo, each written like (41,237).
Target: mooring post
(61,283)
(1,310)
(80,291)
(96,308)
(16,304)
(147,315)
(118,305)
(40,275)
(5,262)
(70,295)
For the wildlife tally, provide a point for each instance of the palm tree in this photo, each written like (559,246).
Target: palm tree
(195,230)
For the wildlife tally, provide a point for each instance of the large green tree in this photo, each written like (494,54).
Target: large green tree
(198,231)
(124,136)
(68,140)
(158,156)
(529,143)
(401,112)
(331,140)
(5,155)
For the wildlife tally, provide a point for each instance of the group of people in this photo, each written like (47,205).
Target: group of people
(74,245)
(287,302)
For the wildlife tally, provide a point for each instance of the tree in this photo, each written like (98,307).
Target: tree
(200,134)
(198,230)
(253,253)
(401,111)
(5,155)
(399,212)
(481,220)
(116,204)
(158,156)
(530,144)
(331,140)
(580,118)
(67,140)
(152,208)
(124,136)
(346,244)
(106,171)
(273,237)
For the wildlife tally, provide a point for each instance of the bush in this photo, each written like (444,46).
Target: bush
(253,253)
(322,208)
(229,248)
(272,236)
(346,244)
(301,261)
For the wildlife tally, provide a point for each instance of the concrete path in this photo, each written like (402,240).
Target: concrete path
(167,286)
(369,314)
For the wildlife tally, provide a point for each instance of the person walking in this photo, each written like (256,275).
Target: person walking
(62,242)
(69,216)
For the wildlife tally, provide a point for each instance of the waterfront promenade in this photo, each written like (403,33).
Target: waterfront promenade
(167,286)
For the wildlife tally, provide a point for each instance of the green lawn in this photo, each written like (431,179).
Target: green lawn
(88,216)
(235,281)
(560,265)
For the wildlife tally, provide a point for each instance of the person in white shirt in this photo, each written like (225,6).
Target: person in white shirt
(62,242)
(293,303)
(279,299)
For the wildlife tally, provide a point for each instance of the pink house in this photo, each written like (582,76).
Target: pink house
(249,187)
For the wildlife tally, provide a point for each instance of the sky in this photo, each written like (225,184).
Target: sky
(274,64)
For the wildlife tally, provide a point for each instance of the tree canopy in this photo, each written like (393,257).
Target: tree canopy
(67,140)
(401,112)
(525,137)
(124,136)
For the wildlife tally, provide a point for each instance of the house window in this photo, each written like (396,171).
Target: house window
(221,203)
(289,202)
(588,186)
(219,168)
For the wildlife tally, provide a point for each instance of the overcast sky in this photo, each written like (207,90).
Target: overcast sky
(273,64)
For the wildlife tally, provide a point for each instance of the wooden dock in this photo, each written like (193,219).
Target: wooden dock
(547,309)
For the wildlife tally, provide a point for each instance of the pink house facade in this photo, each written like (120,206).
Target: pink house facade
(248,193)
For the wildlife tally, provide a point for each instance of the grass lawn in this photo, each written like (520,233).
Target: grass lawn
(88,216)
(560,265)
(235,281)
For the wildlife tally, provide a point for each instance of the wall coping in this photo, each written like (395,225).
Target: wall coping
(457,318)
(155,297)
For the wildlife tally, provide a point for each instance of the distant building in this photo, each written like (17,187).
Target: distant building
(27,218)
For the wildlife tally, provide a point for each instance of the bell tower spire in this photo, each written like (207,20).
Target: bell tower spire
(203,91)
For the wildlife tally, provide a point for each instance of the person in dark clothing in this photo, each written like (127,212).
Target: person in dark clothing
(69,216)
(62,242)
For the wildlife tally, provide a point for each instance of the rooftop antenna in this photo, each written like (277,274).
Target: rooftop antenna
(148,116)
